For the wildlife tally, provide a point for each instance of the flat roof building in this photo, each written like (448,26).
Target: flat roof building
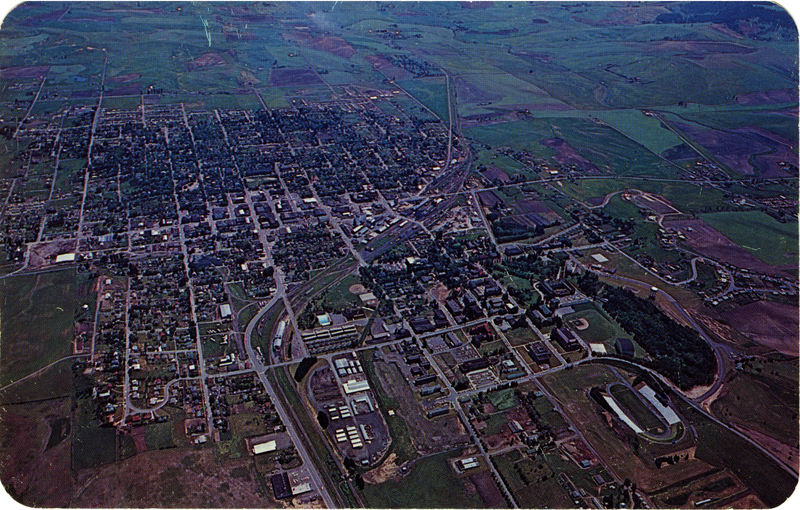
(353,386)
(280,486)
(565,338)
(269,446)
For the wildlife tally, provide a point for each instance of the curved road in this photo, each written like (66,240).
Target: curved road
(285,419)
(719,350)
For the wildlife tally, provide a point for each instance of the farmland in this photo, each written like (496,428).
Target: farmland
(759,234)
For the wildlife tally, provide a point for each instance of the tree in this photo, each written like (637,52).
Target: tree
(322,418)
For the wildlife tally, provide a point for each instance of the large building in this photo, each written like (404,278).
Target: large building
(624,347)
(539,352)
(566,339)
(281,486)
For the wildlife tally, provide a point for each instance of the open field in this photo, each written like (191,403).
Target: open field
(771,241)
(531,480)
(398,429)
(54,382)
(773,397)
(430,483)
(718,446)
(774,325)
(40,474)
(36,314)
(600,329)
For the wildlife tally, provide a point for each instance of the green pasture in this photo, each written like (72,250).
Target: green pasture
(429,91)
(502,400)
(36,321)
(760,234)
(431,483)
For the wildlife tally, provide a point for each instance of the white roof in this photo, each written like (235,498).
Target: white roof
(367,296)
(269,446)
(225,310)
(599,258)
(666,412)
(598,348)
(65,257)
(353,386)
(301,488)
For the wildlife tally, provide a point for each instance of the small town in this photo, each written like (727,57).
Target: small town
(335,297)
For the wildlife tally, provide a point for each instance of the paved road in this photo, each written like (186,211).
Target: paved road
(288,422)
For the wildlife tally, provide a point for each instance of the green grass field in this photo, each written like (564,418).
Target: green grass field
(502,400)
(431,92)
(495,424)
(634,124)
(520,336)
(36,328)
(54,382)
(774,398)
(338,297)
(719,446)
(431,483)
(771,241)
(533,486)
(92,445)
(159,435)
(401,441)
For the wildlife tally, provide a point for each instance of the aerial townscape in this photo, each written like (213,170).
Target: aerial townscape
(399,254)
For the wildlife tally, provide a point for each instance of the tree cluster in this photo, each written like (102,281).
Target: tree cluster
(677,351)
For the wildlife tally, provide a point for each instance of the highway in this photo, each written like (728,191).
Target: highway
(289,422)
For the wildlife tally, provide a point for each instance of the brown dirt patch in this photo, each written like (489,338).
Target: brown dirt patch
(124,78)
(494,172)
(176,477)
(768,97)
(580,324)
(708,241)
(501,440)
(782,451)
(732,149)
(568,156)
(334,45)
(487,490)
(386,471)
(206,60)
(129,89)
(774,325)
(43,252)
(293,77)
(387,68)
(440,292)
(357,289)
(37,477)
(24,72)
(489,198)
